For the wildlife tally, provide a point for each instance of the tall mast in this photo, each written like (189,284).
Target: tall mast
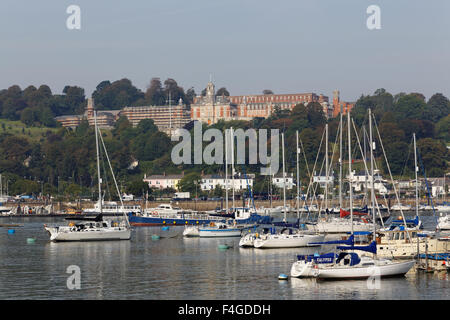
(297,151)
(326,166)
(232,163)
(365,157)
(372,184)
(284,179)
(350,169)
(170,114)
(98,163)
(226,170)
(340,163)
(270,184)
(417,181)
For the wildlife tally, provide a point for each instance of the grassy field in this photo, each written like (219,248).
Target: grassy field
(18,128)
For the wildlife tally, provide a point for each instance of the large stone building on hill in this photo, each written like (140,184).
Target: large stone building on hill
(166,118)
(105,118)
(211,108)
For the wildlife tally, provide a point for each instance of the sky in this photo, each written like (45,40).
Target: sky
(287,46)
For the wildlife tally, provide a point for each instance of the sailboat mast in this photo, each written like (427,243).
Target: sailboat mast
(98,163)
(284,180)
(270,184)
(232,163)
(415,171)
(326,166)
(350,169)
(226,171)
(340,163)
(372,184)
(298,178)
(366,199)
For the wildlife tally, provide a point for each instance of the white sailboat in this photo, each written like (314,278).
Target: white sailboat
(337,224)
(218,230)
(287,239)
(350,265)
(88,228)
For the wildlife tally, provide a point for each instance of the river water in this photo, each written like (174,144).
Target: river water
(177,269)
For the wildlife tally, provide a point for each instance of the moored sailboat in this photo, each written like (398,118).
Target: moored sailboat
(93,229)
(351,265)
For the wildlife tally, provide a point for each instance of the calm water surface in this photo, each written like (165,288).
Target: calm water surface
(176,268)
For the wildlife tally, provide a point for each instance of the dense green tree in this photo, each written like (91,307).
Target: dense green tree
(74,99)
(218,191)
(190,183)
(411,106)
(155,94)
(396,153)
(137,188)
(434,156)
(176,92)
(116,95)
(443,128)
(438,106)
(190,95)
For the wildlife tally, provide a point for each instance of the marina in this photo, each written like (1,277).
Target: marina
(248,155)
(180,268)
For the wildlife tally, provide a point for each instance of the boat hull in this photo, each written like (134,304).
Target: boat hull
(247,240)
(89,235)
(339,227)
(287,241)
(191,231)
(218,233)
(396,269)
(302,269)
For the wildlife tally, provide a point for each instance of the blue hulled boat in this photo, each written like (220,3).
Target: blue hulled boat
(243,215)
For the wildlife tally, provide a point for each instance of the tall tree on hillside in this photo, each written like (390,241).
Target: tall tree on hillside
(190,95)
(116,95)
(438,107)
(176,92)
(411,106)
(443,129)
(74,99)
(434,156)
(155,94)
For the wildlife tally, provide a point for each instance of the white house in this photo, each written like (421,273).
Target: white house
(322,179)
(437,187)
(209,182)
(277,180)
(360,179)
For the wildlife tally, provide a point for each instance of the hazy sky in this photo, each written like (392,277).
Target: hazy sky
(288,46)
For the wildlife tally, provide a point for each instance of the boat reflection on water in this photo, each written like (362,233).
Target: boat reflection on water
(386,288)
